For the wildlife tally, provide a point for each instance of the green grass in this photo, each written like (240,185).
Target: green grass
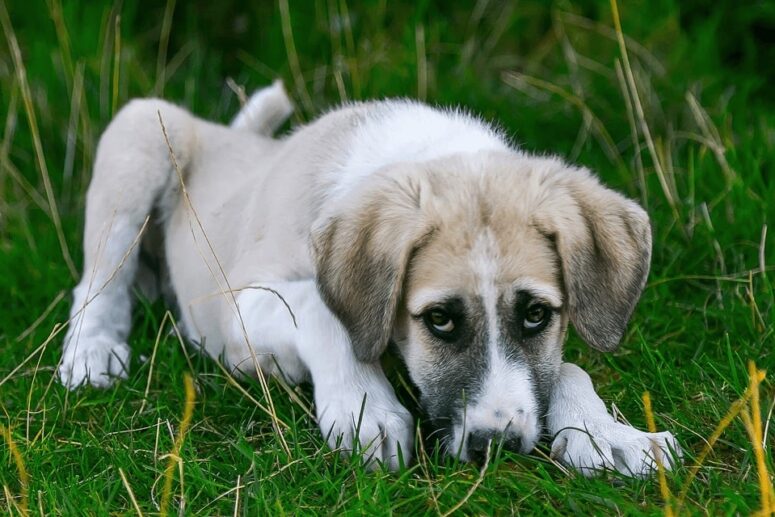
(553,76)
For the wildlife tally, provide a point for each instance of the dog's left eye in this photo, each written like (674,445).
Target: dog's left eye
(535,316)
(440,323)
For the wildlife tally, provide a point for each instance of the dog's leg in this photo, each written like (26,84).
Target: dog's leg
(587,438)
(132,174)
(355,404)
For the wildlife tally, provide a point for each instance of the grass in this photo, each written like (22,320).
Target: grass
(675,110)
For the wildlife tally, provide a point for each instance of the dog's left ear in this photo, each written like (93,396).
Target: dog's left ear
(604,244)
(362,250)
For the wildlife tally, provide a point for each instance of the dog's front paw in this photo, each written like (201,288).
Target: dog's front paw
(96,360)
(610,445)
(375,425)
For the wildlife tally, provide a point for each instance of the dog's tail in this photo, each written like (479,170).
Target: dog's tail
(265,111)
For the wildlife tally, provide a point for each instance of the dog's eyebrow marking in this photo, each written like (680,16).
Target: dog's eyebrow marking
(540,290)
(425,299)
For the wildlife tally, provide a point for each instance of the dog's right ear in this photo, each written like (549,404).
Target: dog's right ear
(362,249)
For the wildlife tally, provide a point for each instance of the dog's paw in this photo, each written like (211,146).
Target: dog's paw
(375,426)
(614,446)
(97,360)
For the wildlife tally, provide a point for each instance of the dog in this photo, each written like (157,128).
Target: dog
(386,224)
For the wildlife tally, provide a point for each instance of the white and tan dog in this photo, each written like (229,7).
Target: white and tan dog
(380,223)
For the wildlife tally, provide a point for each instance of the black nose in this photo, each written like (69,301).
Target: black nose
(479,441)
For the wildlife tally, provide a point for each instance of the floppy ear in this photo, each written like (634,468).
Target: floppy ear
(362,251)
(604,244)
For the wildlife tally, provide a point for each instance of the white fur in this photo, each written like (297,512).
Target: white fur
(95,348)
(587,438)
(406,131)
(506,404)
(265,111)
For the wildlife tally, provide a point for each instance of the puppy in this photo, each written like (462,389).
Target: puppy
(378,223)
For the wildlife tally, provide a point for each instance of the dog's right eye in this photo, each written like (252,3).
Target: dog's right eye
(440,323)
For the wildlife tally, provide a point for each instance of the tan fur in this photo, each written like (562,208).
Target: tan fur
(553,224)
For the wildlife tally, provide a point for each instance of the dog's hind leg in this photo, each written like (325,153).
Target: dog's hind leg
(133,174)
(265,111)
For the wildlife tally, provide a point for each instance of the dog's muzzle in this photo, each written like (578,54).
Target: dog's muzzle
(483,442)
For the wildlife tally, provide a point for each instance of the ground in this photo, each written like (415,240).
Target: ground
(676,110)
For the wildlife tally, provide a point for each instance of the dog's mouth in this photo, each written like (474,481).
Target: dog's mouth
(467,441)
(478,443)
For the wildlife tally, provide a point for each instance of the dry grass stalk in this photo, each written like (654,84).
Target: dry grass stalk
(174,456)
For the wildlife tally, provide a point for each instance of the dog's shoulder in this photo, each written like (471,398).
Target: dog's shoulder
(398,130)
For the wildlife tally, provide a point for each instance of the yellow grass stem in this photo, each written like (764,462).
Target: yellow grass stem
(663,488)
(174,456)
(668,187)
(764,486)
(130,492)
(734,410)
(753,425)
(24,478)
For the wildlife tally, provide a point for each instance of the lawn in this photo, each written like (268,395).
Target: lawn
(675,109)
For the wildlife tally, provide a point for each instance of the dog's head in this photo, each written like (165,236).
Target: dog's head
(473,265)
